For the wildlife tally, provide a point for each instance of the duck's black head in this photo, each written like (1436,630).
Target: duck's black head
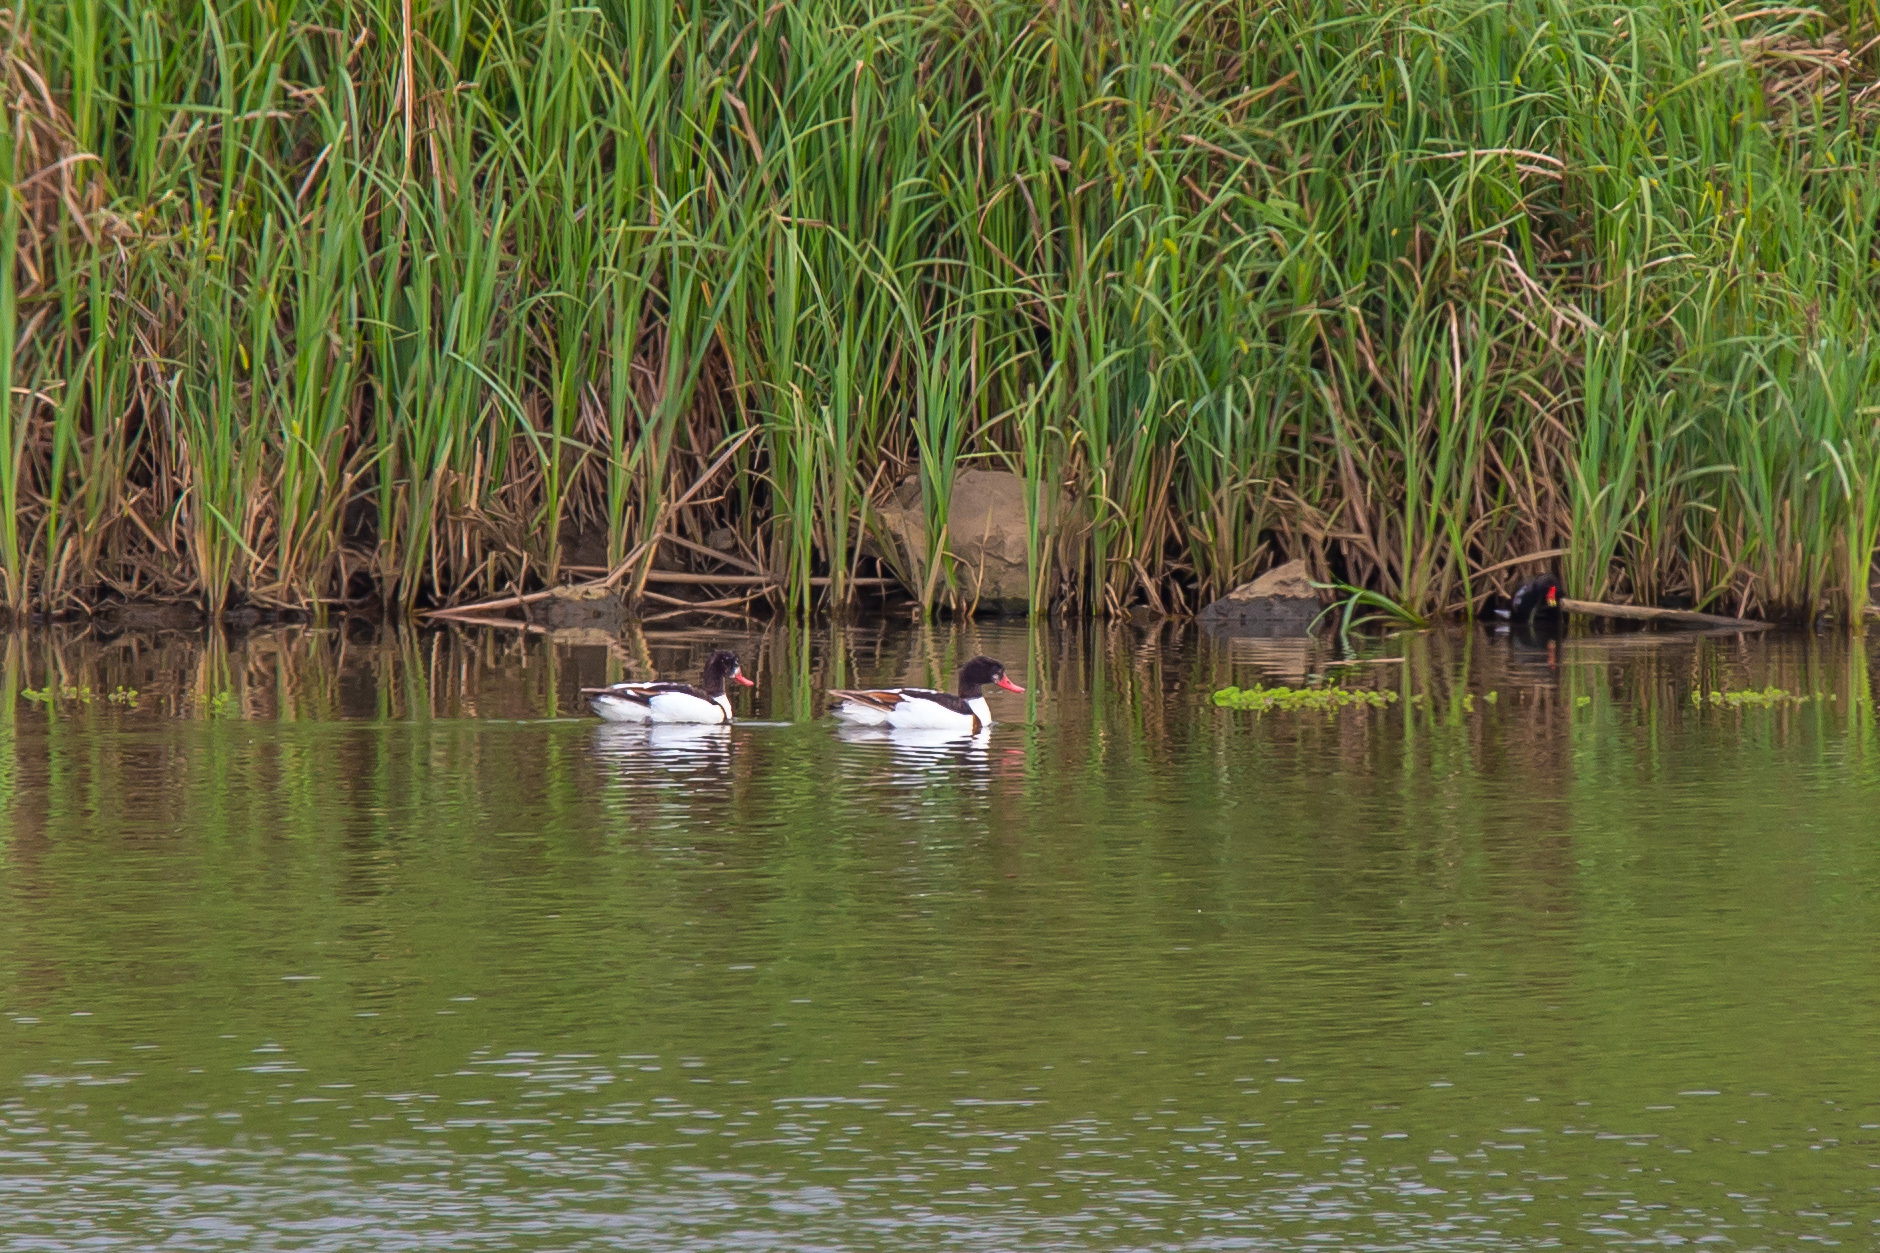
(978,672)
(1537,600)
(723,667)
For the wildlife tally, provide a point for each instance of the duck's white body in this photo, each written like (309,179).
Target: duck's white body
(659,702)
(921,709)
(912,709)
(663,700)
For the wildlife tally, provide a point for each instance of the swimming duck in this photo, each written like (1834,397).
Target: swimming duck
(1537,600)
(917,708)
(666,701)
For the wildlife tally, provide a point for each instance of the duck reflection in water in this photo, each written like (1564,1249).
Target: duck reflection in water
(669,743)
(926,741)
(924,746)
(1533,649)
(921,768)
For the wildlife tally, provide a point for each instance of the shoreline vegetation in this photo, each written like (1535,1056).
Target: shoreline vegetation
(415,304)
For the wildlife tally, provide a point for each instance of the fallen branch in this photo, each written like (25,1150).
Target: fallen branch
(470,613)
(513,624)
(724,602)
(711,580)
(479,613)
(690,609)
(746,580)
(713,553)
(1645,613)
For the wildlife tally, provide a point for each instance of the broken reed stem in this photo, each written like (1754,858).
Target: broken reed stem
(722,603)
(680,541)
(743,580)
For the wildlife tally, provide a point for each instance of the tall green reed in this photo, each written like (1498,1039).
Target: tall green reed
(1412,291)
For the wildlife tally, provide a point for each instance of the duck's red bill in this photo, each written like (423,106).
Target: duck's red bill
(747,682)
(1008,685)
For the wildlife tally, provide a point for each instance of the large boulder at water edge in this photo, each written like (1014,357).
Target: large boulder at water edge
(1280,602)
(985,531)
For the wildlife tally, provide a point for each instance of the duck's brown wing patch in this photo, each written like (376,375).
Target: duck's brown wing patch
(890,698)
(882,699)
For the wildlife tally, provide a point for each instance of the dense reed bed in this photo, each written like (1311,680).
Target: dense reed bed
(325,299)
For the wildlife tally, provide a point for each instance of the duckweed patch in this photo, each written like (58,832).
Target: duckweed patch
(1750,698)
(1261,699)
(54,693)
(80,694)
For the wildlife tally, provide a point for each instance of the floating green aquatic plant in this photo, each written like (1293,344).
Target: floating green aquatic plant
(53,693)
(1751,697)
(1260,699)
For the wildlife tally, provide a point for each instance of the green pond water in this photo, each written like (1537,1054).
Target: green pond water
(343,940)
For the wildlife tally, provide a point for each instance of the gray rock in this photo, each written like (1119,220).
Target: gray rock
(1280,602)
(985,532)
(580,608)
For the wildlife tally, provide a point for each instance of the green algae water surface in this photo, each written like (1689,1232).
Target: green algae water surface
(377,942)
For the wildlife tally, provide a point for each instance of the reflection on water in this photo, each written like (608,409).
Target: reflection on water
(669,741)
(920,743)
(368,940)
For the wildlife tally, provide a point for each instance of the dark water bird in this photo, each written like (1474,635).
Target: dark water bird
(918,708)
(663,700)
(1535,601)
